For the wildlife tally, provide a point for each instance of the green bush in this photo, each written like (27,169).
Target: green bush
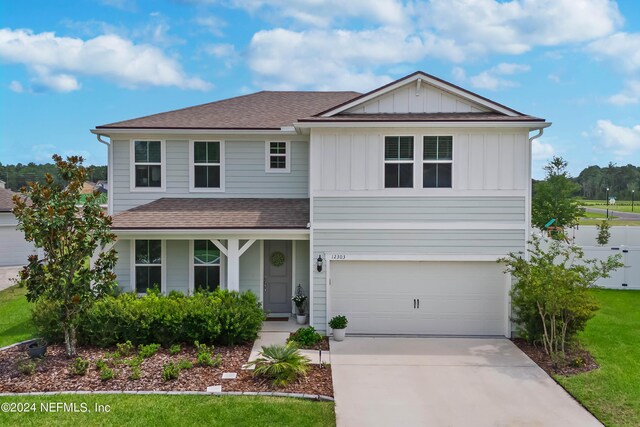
(125,349)
(305,337)
(203,354)
(147,351)
(27,367)
(338,322)
(101,364)
(80,366)
(136,373)
(220,317)
(185,364)
(175,349)
(170,371)
(282,364)
(106,374)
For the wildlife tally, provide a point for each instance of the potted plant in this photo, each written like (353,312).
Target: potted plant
(37,348)
(339,326)
(299,300)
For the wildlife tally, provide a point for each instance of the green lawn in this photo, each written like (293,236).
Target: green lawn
(612,392)
(149,410)
(15,316)
(617,207)
(614,223)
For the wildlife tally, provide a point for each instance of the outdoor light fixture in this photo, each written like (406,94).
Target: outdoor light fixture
(607,203)
(633,193)
(319,263)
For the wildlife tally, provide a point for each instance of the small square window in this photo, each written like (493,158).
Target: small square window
(277,156)
(206,164)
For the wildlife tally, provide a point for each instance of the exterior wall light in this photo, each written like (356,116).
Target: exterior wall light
(319,263)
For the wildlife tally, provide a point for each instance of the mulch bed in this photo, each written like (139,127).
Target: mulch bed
(53,373)
(538,355)
(323,344)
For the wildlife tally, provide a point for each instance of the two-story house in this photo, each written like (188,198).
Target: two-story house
(389,207)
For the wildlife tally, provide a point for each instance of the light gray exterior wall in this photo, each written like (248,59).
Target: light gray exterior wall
(123,266)
(14,249)
(245,176)
(303,262)
(416,209)
(250,275)
(404,242)
(177,266)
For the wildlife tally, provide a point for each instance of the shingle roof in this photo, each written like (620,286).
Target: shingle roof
(216,213)
(6,202)
(261,110)
(424,117)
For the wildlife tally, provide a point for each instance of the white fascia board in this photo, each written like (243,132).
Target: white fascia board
(326,225)
(529,125)
(439,84)
(220,234)
(288,130)
(343,256)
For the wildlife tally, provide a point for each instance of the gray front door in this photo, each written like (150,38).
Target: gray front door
(277,278)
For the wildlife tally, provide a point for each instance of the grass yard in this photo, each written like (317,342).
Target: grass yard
(595,215)
(612,392)
(146,410)
(15,320)
(614,223)
(626,207)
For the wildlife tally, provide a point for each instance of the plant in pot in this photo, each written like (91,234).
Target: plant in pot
(299,300)
(339,326)
(37,348)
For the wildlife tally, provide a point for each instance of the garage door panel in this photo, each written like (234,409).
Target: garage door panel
(456,298)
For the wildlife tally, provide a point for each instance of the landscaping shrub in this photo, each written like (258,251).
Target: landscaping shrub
(204,354)
(175,349)
(185,364)
(136,373)
(170,371)
(106,374)
(147,351)
(80,366)
(281,364)
(125,349)
(305,337)
(27,367)
(220,317)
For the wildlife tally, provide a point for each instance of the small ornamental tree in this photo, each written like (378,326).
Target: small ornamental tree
(68,234)
(604,233)
(551,299)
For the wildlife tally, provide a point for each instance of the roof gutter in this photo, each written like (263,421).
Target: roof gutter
(285,130)
(532,125)
(109,170)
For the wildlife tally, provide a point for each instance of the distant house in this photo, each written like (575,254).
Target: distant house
(14,250)
(88,187)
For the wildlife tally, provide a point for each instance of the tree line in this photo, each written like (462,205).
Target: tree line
(17,176)
(621,180)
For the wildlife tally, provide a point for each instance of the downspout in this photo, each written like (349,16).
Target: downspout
(530,193)
(109,173)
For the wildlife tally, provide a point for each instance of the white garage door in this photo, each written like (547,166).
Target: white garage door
(416,297)
(14,250)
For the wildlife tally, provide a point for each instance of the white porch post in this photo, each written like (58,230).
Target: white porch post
(233,264)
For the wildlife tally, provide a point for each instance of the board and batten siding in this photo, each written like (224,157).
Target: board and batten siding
(382,209)
(244,165)
(353,160)
(404,242)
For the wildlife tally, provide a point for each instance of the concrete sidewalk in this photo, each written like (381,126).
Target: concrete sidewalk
(446,382)
(8,275)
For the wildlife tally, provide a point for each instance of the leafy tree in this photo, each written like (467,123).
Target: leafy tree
(604,233)
(69,236)
(554,197)
(551,296)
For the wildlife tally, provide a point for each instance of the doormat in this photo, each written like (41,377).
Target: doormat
(277,319)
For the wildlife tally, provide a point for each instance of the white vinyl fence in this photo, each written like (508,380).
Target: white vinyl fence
(585,235)
(627,277)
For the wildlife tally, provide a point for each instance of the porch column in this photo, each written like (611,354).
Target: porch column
(233,264)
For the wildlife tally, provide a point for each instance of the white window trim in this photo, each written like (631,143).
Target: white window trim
(267,158)
(192,164)
(163,262)
(132,168)
(422,162)
(414,162)
(192,265)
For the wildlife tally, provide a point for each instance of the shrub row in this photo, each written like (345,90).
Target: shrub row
(219,317)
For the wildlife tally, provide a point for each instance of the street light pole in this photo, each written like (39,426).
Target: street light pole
(632,194)
(607,203)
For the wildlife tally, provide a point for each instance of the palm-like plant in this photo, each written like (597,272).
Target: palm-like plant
(282,364)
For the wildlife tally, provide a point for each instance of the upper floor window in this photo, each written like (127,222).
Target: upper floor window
(277,156)
(437,161)
(148,265)
(398,162)
(147,164)
(207,165)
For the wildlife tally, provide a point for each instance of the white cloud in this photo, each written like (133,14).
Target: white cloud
(630,95)
(213,24)
(492,79)
(624,141)
(225,52)
(56,62)
(541,150)
(128,5)
(622,49)
(16,86)
(514,27)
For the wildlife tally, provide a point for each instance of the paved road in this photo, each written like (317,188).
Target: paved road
(629,216)
(446,382)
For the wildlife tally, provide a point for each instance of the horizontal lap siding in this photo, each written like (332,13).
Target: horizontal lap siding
(406,242)
(416,209)
(245,174)
(250,270)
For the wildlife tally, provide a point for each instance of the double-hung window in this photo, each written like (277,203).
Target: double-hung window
(398,162)
(277,156)
(206,265)
(437,161)
(207,163)
(148,265)
(147,164)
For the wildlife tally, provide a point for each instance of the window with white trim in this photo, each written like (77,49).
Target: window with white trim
(206,164)
(278,158)
(206,266)
(147,164)
(398,162)
(148,265)
(437,163)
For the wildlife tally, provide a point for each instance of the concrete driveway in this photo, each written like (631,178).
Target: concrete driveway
(446,382)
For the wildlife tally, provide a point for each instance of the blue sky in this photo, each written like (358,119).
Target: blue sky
(71,65)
